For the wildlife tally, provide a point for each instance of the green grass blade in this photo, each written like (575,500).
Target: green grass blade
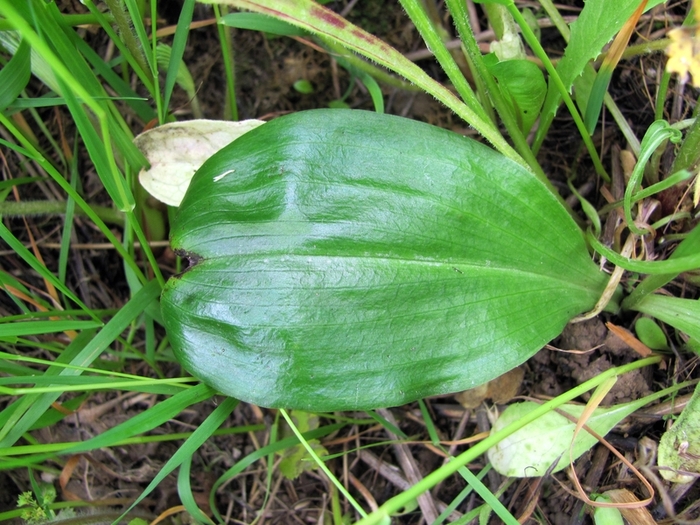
(14,76)
(226,44)
(45,327)
(309,449)
(135,61)
(74,76)
(398,502)
(135,43)
(68,220)
(416,12)
(272,448)
(31,152)
(263,23)
(178,49)
(145,421)
(87,354)
(190,446)
(30,408)
(32,261)
(184,490)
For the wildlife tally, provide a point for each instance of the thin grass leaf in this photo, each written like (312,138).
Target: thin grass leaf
(68,220)
(417,13)
(143,422)
(429,424)
(489,497)
(50,417)
(184,490)
(125,44)
(178,49)
(11,40)
(88,352)
(77,80)
(135,43)
(32,452)
(597,24)
(440,474)
(600,86)
(263,23)
(270,449)
(226,44)
(457,501)
(24,412)
(190,446)
(32,261)
(309,449)
(100,383)
(45,327)
(15,75)
(138,103)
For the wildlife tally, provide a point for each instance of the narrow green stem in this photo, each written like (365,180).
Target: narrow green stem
(161,110)
(321,464)
(136,227)
(38,208)
(127,35)
(231,111)
(136,61)
(377,73)
(427,30)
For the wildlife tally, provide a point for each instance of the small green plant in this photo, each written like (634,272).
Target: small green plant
(37,509)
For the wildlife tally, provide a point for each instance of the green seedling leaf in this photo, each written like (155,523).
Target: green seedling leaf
(347,260)
(649,333)
(303,86)
(523,86)
(296,459)
(683,314)
(679,448)
(530,451)
(175,151)
(607,515)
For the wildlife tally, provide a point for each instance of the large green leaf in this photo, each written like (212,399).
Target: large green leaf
(350,260)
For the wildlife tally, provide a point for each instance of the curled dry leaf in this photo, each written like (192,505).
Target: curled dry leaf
(176,150)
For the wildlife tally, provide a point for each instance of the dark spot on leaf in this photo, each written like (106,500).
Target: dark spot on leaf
(191,258)
(329,17)
(364,36)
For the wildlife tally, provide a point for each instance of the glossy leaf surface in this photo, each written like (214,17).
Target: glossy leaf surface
(350,260)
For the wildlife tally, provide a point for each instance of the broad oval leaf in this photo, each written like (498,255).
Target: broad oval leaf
(349,260)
